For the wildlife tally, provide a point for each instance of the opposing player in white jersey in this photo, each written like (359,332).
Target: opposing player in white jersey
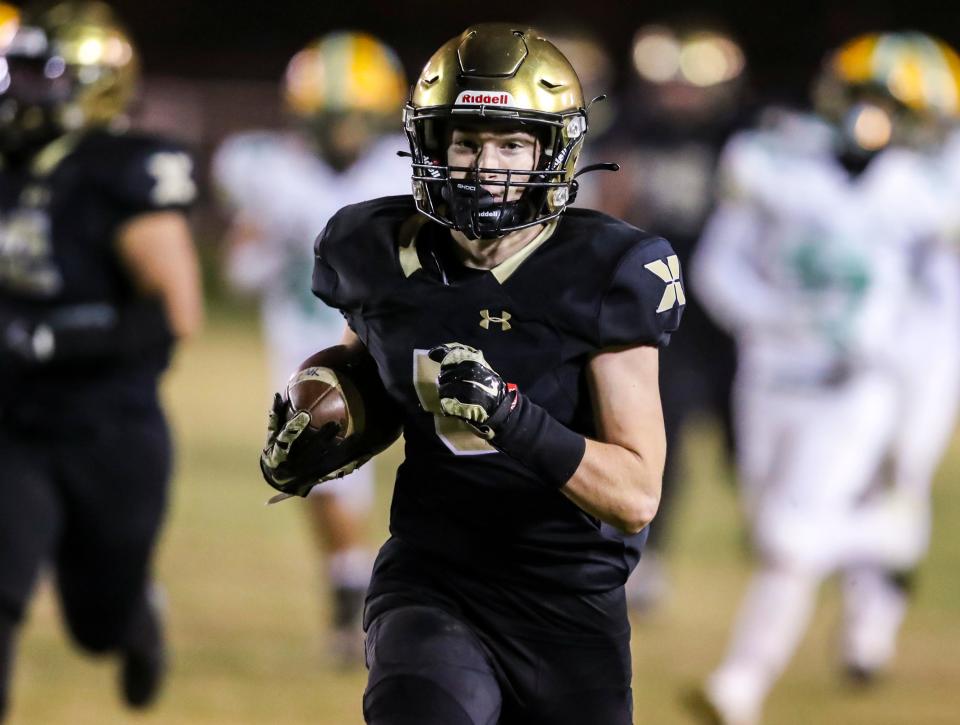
(875,600)
(811,260)
(343,91)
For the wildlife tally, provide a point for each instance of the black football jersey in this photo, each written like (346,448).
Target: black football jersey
(594,283)
(59,219)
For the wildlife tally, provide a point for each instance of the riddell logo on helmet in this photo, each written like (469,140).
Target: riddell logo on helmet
(495,98)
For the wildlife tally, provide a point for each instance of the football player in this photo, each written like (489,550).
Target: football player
(343,92)
(98,279)
(521,342)
(820,260)
(683,103)
(876,599)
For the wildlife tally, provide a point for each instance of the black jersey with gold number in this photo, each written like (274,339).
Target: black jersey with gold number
(586,283)
(60,216)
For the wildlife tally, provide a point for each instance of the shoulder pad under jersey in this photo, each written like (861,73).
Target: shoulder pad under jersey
(143,173)
(753,161)
(355,257)
(247,165)
(644,300)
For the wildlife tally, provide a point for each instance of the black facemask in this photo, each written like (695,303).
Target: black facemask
(478,215)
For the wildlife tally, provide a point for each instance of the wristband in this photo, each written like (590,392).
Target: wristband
(532,436)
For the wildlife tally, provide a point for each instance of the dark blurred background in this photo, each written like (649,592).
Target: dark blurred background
(784,39)
(213,68)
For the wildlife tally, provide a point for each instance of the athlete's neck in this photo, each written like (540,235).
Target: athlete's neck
(488,253)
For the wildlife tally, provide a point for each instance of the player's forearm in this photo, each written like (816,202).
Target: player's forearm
(616,485)
(158,253)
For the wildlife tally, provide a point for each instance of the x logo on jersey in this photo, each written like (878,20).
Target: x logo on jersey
(669,271)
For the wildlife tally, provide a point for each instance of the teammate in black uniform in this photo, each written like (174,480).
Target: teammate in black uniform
(522,348)
(98,276)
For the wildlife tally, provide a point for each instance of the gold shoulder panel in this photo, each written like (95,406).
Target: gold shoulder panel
(512,263)
(409,260)
(50,156)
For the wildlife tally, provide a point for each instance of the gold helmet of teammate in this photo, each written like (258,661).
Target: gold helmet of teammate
(68,66)
(883,88)
(495,74)
(345,89)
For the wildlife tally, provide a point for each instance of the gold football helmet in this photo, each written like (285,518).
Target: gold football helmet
(496,74)
(345,89)
(68,66)
(883,88)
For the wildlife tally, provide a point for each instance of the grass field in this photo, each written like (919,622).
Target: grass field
(243,593)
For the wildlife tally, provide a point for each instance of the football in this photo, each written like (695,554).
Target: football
(319,391)
(352,418)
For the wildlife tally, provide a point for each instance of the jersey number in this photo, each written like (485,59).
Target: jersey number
(455,434)
(172,174)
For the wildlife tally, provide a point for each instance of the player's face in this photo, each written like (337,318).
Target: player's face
(515,150)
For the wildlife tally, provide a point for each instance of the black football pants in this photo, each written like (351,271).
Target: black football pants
(89,504)
(429,667)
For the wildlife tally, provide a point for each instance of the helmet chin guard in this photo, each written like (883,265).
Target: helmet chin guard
(477,214)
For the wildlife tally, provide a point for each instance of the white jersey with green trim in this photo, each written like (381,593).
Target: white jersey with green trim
(810,266)
(279,187)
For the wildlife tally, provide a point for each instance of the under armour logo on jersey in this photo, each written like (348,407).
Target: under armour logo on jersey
(669,271)
(172,171)
(486,318)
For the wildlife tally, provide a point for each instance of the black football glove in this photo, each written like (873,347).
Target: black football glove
(471,390)
(289,459)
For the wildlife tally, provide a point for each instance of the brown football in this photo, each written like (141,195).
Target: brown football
(318,390)
(341,390)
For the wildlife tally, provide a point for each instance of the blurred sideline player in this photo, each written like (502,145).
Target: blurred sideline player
(875,600)
(343,91)
(519,339)
(681,107)
(823,260)
(98,279)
